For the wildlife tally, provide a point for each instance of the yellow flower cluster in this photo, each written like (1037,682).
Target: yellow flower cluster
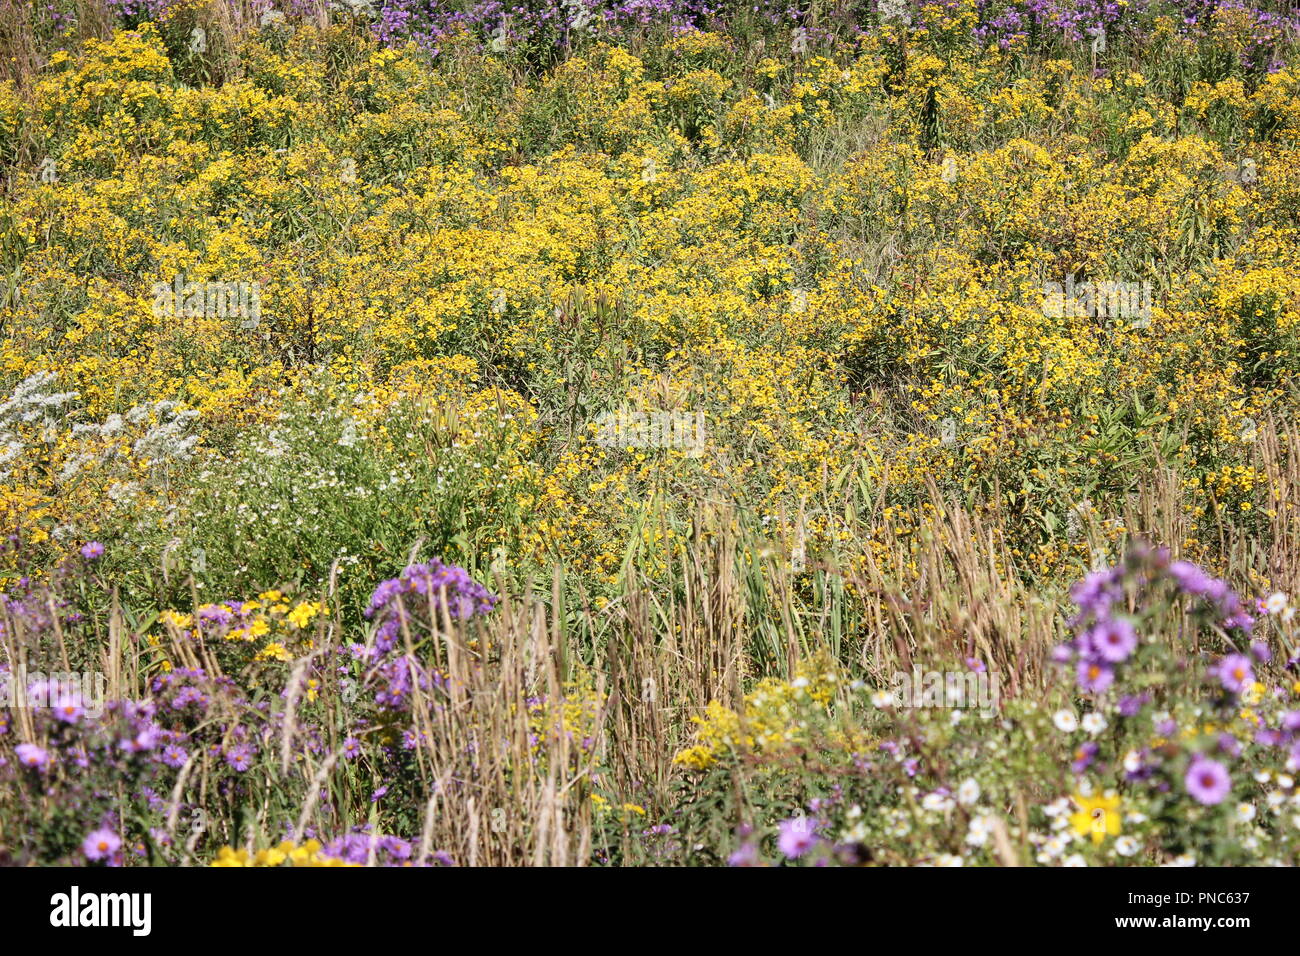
(856,275)
(776,717)
(287,853)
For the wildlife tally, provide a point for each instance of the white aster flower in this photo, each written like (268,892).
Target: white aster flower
(1065,721)
(884,699)
(1057,807)
(1094,723)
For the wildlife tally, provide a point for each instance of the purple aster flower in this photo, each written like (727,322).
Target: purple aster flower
(1130,705)
(1084,756)
(351,748)
(1229,745)
(1235,672)
(1094,676)
(1268,737)
(30,755)
(1096,592)
(69,711)
(397,848)
(101,844)
(796,837)
(747,855)
(240,757)
(1208,781)
(1113,640)
(1191,579)
(92,550)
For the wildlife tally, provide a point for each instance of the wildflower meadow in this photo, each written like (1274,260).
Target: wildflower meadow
(649,433)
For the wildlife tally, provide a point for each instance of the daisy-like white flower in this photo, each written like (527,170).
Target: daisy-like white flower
(1065,721)
(948,859)
(980,828)
(884,699)
(1126,846)
(1093,723)
(1052,848)
(855,834)
(1132,761)
(936,802)
(1275,603)
(1245,812)
(1285,782)
(1057,807)
(968,792)
(1075,859)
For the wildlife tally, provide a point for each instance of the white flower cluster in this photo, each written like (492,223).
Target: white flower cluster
(33,404)
(167,440)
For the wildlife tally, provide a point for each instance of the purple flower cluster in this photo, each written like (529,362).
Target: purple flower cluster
(419,594)
(511,24)
(1106,635)
(416,600)
(358,847)
(540,26)
(33,606)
